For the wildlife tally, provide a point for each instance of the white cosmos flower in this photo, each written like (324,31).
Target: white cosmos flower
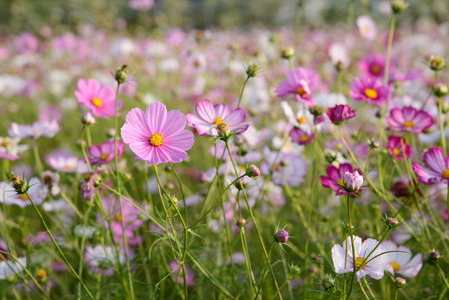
(401,261)
(9,268)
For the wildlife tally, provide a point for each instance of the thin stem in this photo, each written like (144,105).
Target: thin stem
(352,246)
(363,290)
(248,268)
(241,92)
(83,150)
(182,190)
(264,271)
(37,157)
(83,240)
(390,42)
(369,289)
(440,113)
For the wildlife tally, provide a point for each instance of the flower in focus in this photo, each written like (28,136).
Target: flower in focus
(398,148)
(299,85)
(104,153)
(371,264)
(352,181)
(100,99)
(409,119)
(281,236)
(211,119)
(176,269)
(438,170)
(157,136)
(300,136)
(402,263)
(370,89)
(367,27)
(340,113)
(103,259)
(335,179)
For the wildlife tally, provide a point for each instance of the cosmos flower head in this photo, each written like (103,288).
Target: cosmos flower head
(340,113)
(409,119)
(371,90)
(335,177)
(300,83)
(367,27)
(438,167)
(105,152)
(401,260)
(372,66)
(398,148)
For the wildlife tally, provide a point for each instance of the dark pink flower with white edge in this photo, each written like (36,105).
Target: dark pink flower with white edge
(300,83)
(104,153)
(370,89)
(335,179)
(438,170)
(300,136)
(100,99)
(409,119)
(157,136)
(210,117)
(398,147)
(340,113)
(401,261)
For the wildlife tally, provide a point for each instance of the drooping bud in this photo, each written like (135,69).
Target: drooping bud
(121,74)
(88,118)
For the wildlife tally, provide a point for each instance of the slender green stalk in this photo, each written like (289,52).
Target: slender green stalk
(83,240)
(247,262)
(363,290)
(352,246)
(181,189)
(83,150)
(390,42)
(264,271)
(59,249)
(368,287)
(241,92)
(37,157)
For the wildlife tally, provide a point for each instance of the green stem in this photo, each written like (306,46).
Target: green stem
(247,262)
(352,246)
(390,42)
(264,271)
(363,290)
(37,158)
(440,113)
(83,150)
(241,92)
(83,240)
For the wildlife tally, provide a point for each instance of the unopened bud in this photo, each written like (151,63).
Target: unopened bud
(238,141)
(316,110)
(330,155)
(434,255)
(241,183)
(121,74)
(253,171)
(373,144)
(287,52)
(281,236)
(436,63)
(252,70)
(174,199)
(240,222)
(88,118)
(223,130)
(400,282)
(392,222)
(398,6)
(440,90)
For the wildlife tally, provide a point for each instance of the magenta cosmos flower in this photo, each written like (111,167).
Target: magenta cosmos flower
(104,153)
(409,119)
(438,170)
(398,147)
(157,136)
(340,113)
(100,99)
(300,136)
(335,179)
(210,118)
(370,89)
(299,85)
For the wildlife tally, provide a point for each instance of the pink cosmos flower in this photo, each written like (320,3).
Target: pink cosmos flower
(398,147)
(300,136)
(179,278)
(372,66)
(36,130)
(157,136)
(438,170)
(352,181)
(367,27)
(402,263)
(211,118)
(340,113)
(140,4)
(104,153)
(100,99)
(299,85)
(335,179)
(63,161)
(371,264)
(370,89)
(409,119)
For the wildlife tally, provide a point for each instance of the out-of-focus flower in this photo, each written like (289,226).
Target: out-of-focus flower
(300,83)
(402,263)
(339,56)
(176,269)
(9,268)
(367,27)
(372,66)
(300,136)
(409,119)
(63,161)
(100,99)
(103,259)
(36,130)
(438,170)
(371,90)
(157,136)
(140,4)
(397,147)
(104,153)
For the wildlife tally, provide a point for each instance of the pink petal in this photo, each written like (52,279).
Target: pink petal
(435,159)
(175,122)
(156,115)
(205,110)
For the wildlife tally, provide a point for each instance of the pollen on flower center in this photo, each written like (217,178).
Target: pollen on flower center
(370,93)
(69,166)
(104,156)
(276,167)
(156,139)
(24,197)
(301,120)
(359,262)
(408,124)
(395,266)
(5,143)
(217,121)
(300,91)
(304,138)
(340,182)
(375,69)
(445,174)
(118,217)
(396,151)
(97,102)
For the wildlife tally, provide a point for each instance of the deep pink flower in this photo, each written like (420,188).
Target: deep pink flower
(100,99)
(335,179)
(300,136)
(409,119)
(104,153)
(438,170)
(370,89)
(157,136)
(299,85)
(398,147)
(340,113)
(210,117)
(372,66)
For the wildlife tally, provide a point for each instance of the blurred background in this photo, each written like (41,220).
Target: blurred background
(67,15)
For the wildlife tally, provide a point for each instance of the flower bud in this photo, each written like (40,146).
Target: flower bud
(174,199)
(434,256)
(19,185)
(440,90)
(316,110)
(330,155)
(281,236)
(436,63)
(398,6)
(240,222)
(121,74)
(168,168)
(238,141)
(283,163)
(88,118)
(373,144)
(111,132)
(353,181)
(287,52)
(242,183)
(223,130)
(252,70)
(391,222)
(294,270)
(400,282)
(253,171)
(170,185)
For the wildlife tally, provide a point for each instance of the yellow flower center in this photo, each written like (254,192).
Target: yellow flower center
(365,29)
(340,182)
(445,174)
(276,167)
(97,102)
(118,217)
(375,69)
(396,151)
(217,121)
(370,93)
(304,138)
(41,274)
(300,91)
(408,124)
(395,266)
(359,262)
(103,156)
(5,143)
(24,197)
(69,166)
(196,64)
(301,120)
(156,139)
